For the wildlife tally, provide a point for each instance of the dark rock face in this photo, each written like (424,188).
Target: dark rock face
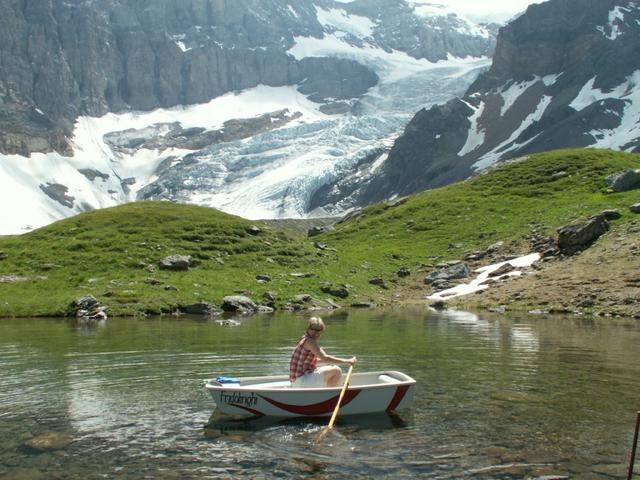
(60,59)
(573,238)
(562,76)
(163,136)
(58,193)
(334,78)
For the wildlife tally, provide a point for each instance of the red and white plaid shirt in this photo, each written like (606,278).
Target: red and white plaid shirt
(302,361)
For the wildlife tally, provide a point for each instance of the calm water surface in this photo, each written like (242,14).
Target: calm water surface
(497,398)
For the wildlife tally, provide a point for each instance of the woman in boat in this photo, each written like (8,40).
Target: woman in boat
(304,369)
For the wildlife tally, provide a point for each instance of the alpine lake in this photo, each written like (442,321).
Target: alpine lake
(498,397)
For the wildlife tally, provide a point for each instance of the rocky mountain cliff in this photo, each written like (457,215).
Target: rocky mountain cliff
(249,106)
(60,59)
(565,74)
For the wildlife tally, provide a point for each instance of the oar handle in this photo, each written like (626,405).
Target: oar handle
(342,392)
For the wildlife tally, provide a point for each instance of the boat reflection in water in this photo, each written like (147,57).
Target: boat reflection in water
(242,427)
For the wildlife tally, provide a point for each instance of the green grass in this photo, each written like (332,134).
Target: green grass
(111,252)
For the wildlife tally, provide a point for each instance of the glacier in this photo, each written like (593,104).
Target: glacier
(271,174)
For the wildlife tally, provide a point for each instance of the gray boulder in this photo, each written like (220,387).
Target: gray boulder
(503,269)
(453,272)
(270,299)
(308,302)
(476,255)
(624,181)
(253,230)
(200,308)
(87,309)
(610,214)
(238,304)
(403,272)
(574,238)
(341,291)
(378,282)
(176,263)
(313,231)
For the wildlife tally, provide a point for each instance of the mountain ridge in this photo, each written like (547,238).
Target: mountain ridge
(61,60)
(565,74)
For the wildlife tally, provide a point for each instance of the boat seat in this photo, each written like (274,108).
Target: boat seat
(387,379)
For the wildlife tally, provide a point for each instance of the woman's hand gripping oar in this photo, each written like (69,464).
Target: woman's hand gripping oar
(324,431)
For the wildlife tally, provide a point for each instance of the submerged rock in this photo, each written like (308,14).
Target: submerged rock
(49,441)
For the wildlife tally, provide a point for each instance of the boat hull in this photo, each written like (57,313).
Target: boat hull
(369,392)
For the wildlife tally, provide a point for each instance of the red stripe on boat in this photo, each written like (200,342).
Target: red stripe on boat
(401,391)
(315,408)
(251,410)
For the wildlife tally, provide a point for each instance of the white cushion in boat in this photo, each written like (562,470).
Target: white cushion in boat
(387,379)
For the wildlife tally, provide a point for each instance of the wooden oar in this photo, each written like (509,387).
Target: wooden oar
(324,431)
(632,460)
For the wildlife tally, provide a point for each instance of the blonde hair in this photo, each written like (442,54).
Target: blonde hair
(315,323)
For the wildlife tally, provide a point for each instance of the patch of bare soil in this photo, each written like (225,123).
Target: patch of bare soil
(602,280)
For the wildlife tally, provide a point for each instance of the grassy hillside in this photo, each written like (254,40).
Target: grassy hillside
(113,253)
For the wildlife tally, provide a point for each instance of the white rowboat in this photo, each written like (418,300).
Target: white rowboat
(368,392)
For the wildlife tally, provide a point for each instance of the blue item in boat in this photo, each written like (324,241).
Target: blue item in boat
(227,380)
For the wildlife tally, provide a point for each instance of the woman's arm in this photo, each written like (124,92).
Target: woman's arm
(323,357)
